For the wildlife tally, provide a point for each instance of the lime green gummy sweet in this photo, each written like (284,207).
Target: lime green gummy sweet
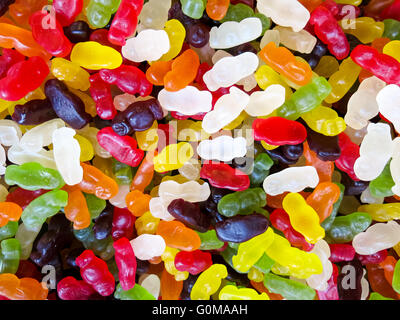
(345,228)
(305,99)
(209,240)
(95,205)
(377,296)
(382,185)
(238,12)
(122,173)
(33,176)
(193,8)
(43,207)
(242,202)
(136,293)
(264,264)
(9,255)
(99,12)
(396,278)
(9,230)
(287,288)
(392,29)
(262,164)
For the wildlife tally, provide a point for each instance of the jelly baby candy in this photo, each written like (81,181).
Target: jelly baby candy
(303,217)
(231,34)
(33,176)
(95,272)
(208,282)
(101,57)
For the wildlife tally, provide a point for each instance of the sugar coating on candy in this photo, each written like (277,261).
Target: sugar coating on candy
(320,281)
(287,13)
(229,70)
(376,149)
(119,199)
(363,105)
(367,197)
(231,34)
(10,133)
(3,160)
(301,41)
(148,45)
(158,208)
(16,154)
(389,105)
(222,148)
(377,237)
(154,14)
(147,246)
(292,179)
(66,155)
(190,191)
(226,109)
(270,36)
(248,83)
(151,283)
(40,136)
(188,101)
(263,103)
